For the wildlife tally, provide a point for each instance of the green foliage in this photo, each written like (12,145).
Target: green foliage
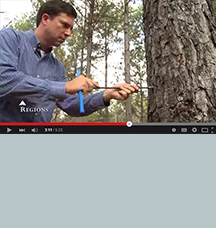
(214,4)
(25,23)
(37,4)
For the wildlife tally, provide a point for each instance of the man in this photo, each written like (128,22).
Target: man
(32,80)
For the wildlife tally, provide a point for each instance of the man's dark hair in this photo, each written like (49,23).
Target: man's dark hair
(53,8)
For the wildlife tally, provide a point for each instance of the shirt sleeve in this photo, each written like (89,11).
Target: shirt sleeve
(17,84)
(91,102)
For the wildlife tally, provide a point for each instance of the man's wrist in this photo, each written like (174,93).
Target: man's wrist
(106,98)
(66,87)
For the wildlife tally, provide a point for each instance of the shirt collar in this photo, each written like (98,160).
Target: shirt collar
(34,41)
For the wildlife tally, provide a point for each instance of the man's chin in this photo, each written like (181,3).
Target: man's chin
(57,44)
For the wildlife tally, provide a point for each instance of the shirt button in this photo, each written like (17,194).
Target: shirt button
(38,76)
(36,114)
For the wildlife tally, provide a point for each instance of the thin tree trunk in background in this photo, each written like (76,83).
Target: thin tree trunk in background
(106,68)
(83,40)
(142,93)
(142,106)
(143,3)
(90,36)
(76,63)
(127,58)
(181,60)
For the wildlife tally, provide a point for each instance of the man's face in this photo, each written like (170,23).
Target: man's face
(58,29)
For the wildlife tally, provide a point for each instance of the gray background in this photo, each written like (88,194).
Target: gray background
(107,181)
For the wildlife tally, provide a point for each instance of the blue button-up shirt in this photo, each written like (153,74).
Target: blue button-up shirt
(31,85)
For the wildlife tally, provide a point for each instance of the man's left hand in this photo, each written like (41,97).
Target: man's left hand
(120,94)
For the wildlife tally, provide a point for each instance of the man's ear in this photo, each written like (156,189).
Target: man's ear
(45,18)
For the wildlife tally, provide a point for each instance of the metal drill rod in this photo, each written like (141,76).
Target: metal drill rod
(103,87)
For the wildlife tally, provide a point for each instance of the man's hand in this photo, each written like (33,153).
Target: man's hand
(80,83)
(120,94)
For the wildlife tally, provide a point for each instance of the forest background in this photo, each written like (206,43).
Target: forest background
(107,43)
(176,57)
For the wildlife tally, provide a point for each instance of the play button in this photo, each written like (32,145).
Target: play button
(9,130)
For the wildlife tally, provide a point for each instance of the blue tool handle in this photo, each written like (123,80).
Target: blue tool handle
(81,105)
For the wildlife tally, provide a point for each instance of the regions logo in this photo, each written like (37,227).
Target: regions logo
(25,109)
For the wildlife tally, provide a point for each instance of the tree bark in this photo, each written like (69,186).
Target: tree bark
(181,60)
(127,58)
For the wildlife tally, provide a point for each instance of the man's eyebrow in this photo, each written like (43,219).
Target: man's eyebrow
(66,24)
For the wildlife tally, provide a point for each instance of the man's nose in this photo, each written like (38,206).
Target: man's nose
(68,32)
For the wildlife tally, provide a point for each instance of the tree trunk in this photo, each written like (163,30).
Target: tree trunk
(90,36)
(75,65)
(127,58)
(142,107)
(106,68)
(83,40)
(181,60)
(143,4)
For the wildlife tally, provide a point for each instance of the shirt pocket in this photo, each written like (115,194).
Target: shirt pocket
(52,77)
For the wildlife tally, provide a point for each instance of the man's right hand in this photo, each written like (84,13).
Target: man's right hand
(80,83)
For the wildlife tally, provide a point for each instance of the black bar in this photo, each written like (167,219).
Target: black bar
(138,129)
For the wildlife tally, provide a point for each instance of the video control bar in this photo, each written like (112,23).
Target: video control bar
(106,128)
